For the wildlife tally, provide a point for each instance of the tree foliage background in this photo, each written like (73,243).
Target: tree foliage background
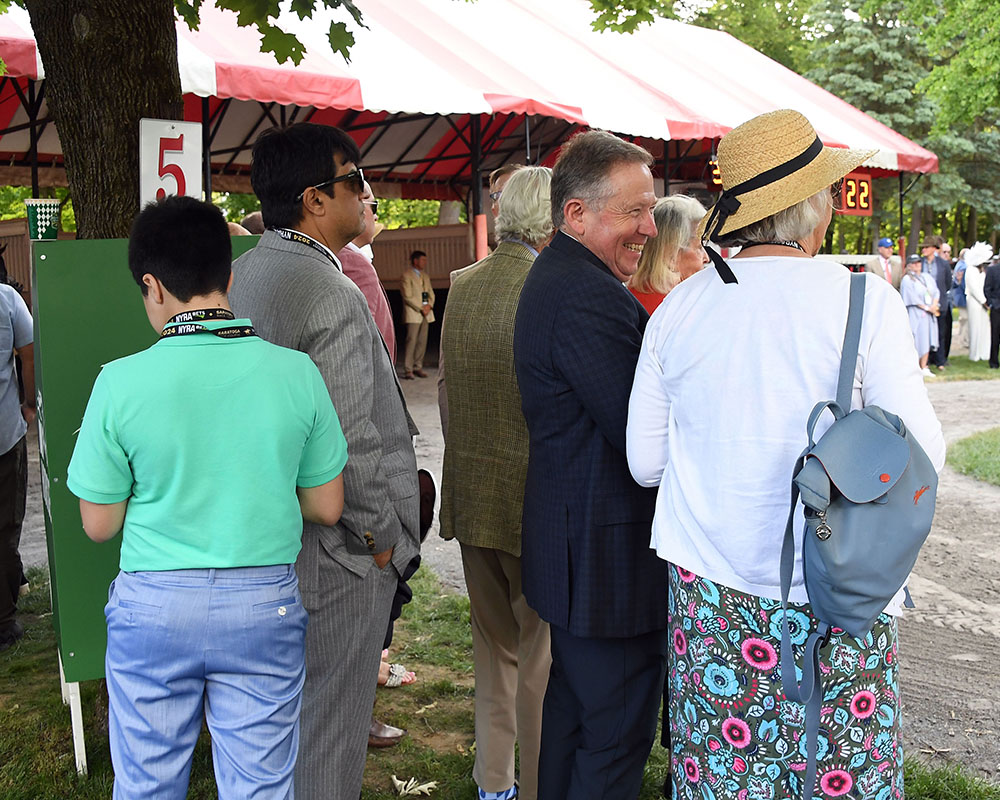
(929,69)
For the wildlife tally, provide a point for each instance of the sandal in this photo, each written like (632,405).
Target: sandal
(398,676)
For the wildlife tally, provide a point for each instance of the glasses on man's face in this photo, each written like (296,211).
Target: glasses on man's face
(355,180)
(373,204)
(494,196)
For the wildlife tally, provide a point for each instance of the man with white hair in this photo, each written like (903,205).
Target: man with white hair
(359,268)
(485,461)
(586,564)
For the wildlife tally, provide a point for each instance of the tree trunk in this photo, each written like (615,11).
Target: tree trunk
(973,224)
(107,64)
(993,234)
(449,213)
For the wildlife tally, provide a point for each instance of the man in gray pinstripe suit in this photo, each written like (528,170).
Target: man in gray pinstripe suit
(309,185)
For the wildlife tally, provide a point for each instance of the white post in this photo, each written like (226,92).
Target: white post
(71,697)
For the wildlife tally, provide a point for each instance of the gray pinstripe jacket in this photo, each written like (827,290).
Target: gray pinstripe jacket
(296,298)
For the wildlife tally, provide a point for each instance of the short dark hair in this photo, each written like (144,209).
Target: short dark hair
(184,243)
(583,166)
(287,161)
(499,172)
(416,254)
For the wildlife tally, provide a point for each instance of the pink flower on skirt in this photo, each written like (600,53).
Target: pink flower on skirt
(736,732)
(836,782)
(759,654)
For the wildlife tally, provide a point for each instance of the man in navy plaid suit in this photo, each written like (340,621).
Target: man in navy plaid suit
(587,567)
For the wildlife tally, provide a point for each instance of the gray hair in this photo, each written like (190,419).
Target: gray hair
(789,225)
(524,207)
(676,217)
(583,166)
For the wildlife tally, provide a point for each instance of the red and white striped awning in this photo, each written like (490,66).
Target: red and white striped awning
(423,68)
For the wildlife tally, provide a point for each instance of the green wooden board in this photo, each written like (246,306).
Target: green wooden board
(87,311)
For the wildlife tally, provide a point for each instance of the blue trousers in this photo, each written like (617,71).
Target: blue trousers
(224,645)
(599,715)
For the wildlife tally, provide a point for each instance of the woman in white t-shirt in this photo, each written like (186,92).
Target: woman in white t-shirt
(732,363)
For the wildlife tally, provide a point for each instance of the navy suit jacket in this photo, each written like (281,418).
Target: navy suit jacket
(586,563)
(991,288)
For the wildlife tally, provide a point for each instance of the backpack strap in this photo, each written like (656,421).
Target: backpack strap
(852,337)
(810,690)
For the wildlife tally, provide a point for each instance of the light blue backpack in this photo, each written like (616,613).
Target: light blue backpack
(868,492)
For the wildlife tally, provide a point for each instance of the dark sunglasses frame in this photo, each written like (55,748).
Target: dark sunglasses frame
(373,204)
(355,175)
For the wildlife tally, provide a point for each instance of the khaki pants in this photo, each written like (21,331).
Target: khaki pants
(416,344)
(510,648)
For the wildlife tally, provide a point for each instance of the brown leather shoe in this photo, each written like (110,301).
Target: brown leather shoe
(407,376)
(382,735)
(420,373)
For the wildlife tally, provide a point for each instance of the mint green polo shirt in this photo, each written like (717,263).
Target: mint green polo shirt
(207,438)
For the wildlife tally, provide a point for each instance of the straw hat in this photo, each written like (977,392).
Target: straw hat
(767,142)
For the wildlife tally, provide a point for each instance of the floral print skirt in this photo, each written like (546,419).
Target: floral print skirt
(733,733)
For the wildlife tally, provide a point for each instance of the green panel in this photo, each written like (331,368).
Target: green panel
(87,311)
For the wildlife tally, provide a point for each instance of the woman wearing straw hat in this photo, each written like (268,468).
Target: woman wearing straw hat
(674,254)
(717,418)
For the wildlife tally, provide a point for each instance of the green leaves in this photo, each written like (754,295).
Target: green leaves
(263,14)
(624,16)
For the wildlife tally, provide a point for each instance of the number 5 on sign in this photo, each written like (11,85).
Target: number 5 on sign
(169,159)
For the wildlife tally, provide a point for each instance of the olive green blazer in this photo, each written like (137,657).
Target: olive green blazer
(486,447)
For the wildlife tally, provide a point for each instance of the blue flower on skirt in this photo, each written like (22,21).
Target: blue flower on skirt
(798,625)
(721,680)
(822,747)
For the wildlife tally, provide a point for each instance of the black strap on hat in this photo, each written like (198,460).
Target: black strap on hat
(728,203)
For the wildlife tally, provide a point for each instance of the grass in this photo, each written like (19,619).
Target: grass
(961,369)
(432,638)
(978,456)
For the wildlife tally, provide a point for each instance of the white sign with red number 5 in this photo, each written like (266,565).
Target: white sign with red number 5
(169,159)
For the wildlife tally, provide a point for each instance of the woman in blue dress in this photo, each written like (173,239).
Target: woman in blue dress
(920,295)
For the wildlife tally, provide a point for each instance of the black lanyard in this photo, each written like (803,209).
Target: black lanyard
(191,324)
(294,236)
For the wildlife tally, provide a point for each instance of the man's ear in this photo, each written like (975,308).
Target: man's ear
(154,289)
(312,202)
(573,213)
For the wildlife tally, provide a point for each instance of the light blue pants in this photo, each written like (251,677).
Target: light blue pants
(226,645)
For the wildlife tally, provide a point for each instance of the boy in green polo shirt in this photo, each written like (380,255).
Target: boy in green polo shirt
(206,450)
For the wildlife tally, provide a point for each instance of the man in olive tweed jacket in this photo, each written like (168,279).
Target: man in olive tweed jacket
(485,464)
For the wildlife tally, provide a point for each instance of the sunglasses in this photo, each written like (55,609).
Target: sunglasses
(373,204)
(494,196)
(837,193)
(355,180)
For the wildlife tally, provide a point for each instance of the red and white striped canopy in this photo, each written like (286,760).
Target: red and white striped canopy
(423,68)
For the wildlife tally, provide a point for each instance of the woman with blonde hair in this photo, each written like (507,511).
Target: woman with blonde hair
(717,419)
(675,254)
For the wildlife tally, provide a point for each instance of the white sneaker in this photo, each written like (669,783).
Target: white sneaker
(926,373)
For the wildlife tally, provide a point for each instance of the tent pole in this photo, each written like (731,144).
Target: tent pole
(666,168)
(527,140)
(33,118)
(479,218)
(206,148)
(901,204)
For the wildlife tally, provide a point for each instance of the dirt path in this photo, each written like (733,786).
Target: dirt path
(950,644)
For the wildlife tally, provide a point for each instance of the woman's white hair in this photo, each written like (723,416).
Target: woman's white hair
(525,208)
(789,225)
(676,217)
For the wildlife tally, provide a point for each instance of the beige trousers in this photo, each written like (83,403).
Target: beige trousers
(416,345)
(510,649)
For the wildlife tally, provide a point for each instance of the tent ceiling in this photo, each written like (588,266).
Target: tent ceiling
(426,72)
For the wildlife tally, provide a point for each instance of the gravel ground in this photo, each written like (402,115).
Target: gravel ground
(949,643)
